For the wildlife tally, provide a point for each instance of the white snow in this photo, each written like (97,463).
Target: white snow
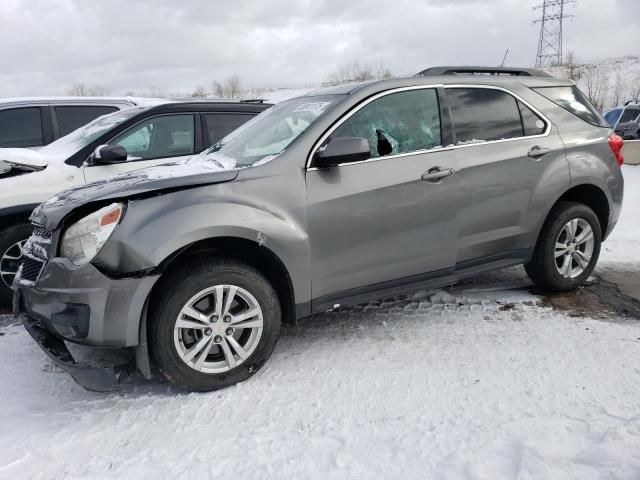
(474,382)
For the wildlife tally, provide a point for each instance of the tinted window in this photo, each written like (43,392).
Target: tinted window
(397,123)
(21,127)
(531,122)
(165,136)
(219,125)
(574,101)
(630,114)
(482,114)
(73,117)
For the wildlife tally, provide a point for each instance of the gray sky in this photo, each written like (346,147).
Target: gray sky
(175,46)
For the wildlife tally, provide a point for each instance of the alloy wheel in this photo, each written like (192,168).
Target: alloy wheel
(218,328)
(9,262)
(574,248)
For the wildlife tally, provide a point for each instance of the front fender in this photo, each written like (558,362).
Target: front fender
(155,228)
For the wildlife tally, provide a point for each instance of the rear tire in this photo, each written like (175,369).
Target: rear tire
(568,248)
(10,240)
(198,337)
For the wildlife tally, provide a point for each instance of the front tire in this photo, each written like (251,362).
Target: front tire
(11,240)
(213,324)
(568,248)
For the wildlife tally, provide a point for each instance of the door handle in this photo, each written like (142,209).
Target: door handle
(537,152)
(435,174)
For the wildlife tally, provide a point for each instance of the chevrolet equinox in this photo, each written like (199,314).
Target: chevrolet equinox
(334,198)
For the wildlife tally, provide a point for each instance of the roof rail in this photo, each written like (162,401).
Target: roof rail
(517,72)
(253,100)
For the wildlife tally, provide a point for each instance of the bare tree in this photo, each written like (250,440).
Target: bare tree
(230,88)
(354,71)
(154,92)
(618,89)
(199,92)
(596,85)
(574,69)
(634,87)
(82,90)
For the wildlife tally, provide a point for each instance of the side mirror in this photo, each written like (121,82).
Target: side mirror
(108,154)
(342,150)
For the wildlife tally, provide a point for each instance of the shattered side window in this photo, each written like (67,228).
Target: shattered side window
(397,123)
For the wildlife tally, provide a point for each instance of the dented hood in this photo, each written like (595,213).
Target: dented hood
(154,179)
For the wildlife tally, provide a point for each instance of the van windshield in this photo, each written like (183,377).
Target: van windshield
(270,133)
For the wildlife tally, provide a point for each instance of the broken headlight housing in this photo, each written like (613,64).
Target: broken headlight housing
(82,241)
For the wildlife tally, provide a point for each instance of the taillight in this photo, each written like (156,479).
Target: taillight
(616,143)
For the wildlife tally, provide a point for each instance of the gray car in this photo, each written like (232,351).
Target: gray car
(346,194)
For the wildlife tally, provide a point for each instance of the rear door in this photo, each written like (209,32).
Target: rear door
(376,222)
(153,141)
(511,163)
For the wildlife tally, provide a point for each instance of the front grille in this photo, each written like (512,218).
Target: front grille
(30,269)
(35,254)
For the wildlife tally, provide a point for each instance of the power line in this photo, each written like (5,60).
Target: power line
(550,42)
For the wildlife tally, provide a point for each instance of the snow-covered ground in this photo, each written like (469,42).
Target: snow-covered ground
(476,382)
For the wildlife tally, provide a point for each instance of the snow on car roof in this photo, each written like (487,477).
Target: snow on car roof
(140,101)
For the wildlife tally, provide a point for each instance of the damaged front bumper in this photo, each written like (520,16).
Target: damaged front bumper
(97,379)
(83,305)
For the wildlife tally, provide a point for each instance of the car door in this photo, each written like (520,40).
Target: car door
(392,217)
(511,166)
(153,141)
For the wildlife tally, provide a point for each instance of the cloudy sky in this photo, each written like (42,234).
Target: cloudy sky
(175,46)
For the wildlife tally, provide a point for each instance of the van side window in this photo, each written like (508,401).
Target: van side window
(484,114)
(72,117)
(397,123)
(21,127)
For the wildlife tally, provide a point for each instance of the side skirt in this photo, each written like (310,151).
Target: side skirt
(437,279)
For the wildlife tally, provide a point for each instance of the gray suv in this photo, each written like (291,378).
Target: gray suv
(346,194)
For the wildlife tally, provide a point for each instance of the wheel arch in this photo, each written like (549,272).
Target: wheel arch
(593,197)
(253,253)
(12,216)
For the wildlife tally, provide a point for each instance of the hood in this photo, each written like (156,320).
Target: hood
(21,158)
(179,175)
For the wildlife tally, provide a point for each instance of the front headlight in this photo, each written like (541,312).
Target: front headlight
(83,240)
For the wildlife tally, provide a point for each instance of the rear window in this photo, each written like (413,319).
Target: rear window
(219,125)
(574,101)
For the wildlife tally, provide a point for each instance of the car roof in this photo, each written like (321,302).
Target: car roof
(38,101)
(211,106)
(497,80)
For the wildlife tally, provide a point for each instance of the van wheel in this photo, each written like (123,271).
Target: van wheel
(11,240)
(568,248)
(213,324)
